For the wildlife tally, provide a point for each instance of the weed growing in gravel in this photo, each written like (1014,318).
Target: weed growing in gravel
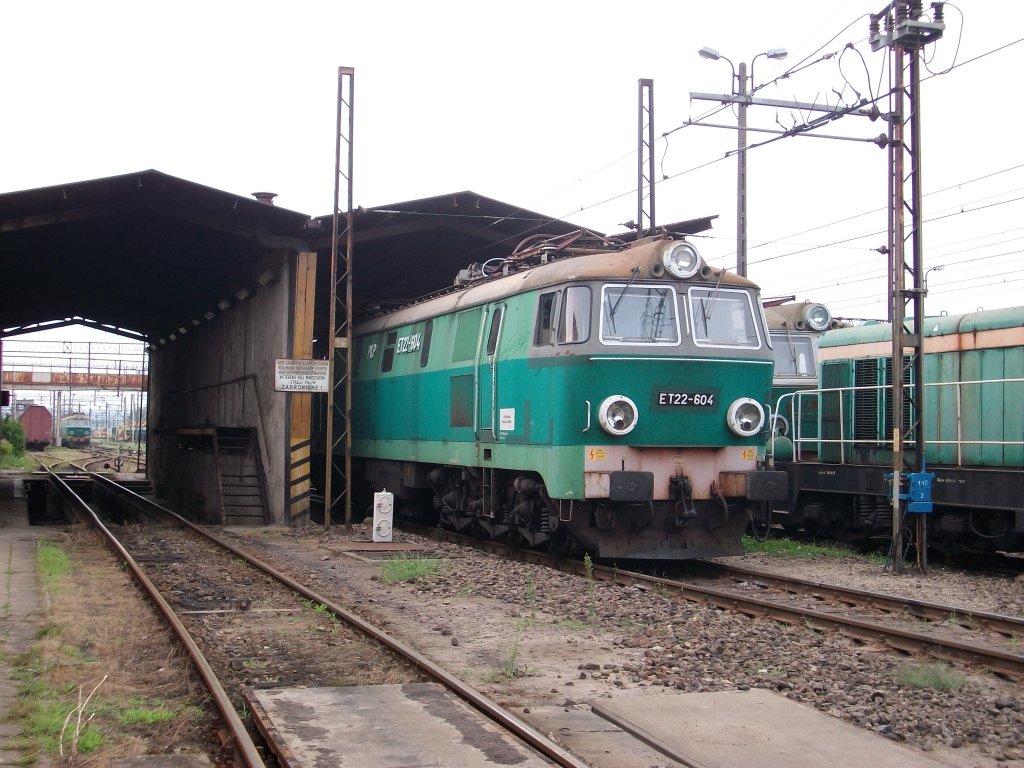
(938,676)
(408,568)
(660,590)
(588,566)
(961,620)
(321,610)
(768,670)
(789,548)
(531,597)
(572,624)
(511,656)
(140,715)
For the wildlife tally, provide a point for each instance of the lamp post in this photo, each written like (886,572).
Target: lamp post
(939,268)
(740,85)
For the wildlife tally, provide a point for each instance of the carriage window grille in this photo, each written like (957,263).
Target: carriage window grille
(908,381)
(834,375)
(865,401)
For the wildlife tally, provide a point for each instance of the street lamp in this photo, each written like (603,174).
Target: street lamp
(939,268)
(740,80)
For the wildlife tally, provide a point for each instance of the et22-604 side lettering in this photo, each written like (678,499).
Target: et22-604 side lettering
(686,399)
(409,343)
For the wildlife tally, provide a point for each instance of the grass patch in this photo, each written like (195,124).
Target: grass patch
(52,563)
(9,461)
(572,624)
(55,722)
(408,568)
(146,715)
(937,676)
(790,548)
(83,687)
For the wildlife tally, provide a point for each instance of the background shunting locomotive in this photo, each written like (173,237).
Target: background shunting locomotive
(973,430)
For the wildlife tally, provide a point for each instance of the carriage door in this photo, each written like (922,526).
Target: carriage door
(487,380)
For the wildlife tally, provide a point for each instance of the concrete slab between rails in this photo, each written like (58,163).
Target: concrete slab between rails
(730,729)
(386,726)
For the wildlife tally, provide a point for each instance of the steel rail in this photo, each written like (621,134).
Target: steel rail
(1010,626)
(1009,665)
(506,719)
(244,746)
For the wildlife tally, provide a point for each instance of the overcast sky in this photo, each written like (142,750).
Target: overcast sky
(535,104)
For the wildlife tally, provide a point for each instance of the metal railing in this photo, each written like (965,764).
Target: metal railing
(796,402)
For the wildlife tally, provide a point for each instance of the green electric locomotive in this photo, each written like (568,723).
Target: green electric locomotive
(582,394)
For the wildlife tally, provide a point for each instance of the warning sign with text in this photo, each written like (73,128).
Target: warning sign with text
(301,375)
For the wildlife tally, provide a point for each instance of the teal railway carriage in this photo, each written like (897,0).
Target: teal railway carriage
(610,400)
(974,433)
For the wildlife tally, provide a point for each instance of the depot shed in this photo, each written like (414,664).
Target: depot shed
(221,287)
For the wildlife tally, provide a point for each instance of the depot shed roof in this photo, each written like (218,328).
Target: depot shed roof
(144,251)
(150,252)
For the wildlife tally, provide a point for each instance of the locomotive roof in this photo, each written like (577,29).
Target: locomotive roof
(936,326)
(614,265)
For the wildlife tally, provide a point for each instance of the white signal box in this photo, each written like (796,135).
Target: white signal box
(383,515)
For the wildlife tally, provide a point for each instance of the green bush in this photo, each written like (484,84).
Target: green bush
(13,432)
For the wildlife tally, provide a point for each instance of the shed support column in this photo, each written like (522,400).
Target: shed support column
(300,408)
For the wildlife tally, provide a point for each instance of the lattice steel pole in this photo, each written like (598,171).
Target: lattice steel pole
(905,33)
(645,159)
(340,341)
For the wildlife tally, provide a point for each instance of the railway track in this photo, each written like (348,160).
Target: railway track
(952,633)
(215,578)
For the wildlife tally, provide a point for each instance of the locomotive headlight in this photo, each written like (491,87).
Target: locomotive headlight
(817,317)
(617,415)
(681,260)
(745,417)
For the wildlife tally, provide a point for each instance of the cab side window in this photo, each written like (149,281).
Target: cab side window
(544,332)
(574,324)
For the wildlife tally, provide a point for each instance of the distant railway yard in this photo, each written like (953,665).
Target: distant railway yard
(527,635)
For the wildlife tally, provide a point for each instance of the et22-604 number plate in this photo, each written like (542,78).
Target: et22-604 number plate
(685,399)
